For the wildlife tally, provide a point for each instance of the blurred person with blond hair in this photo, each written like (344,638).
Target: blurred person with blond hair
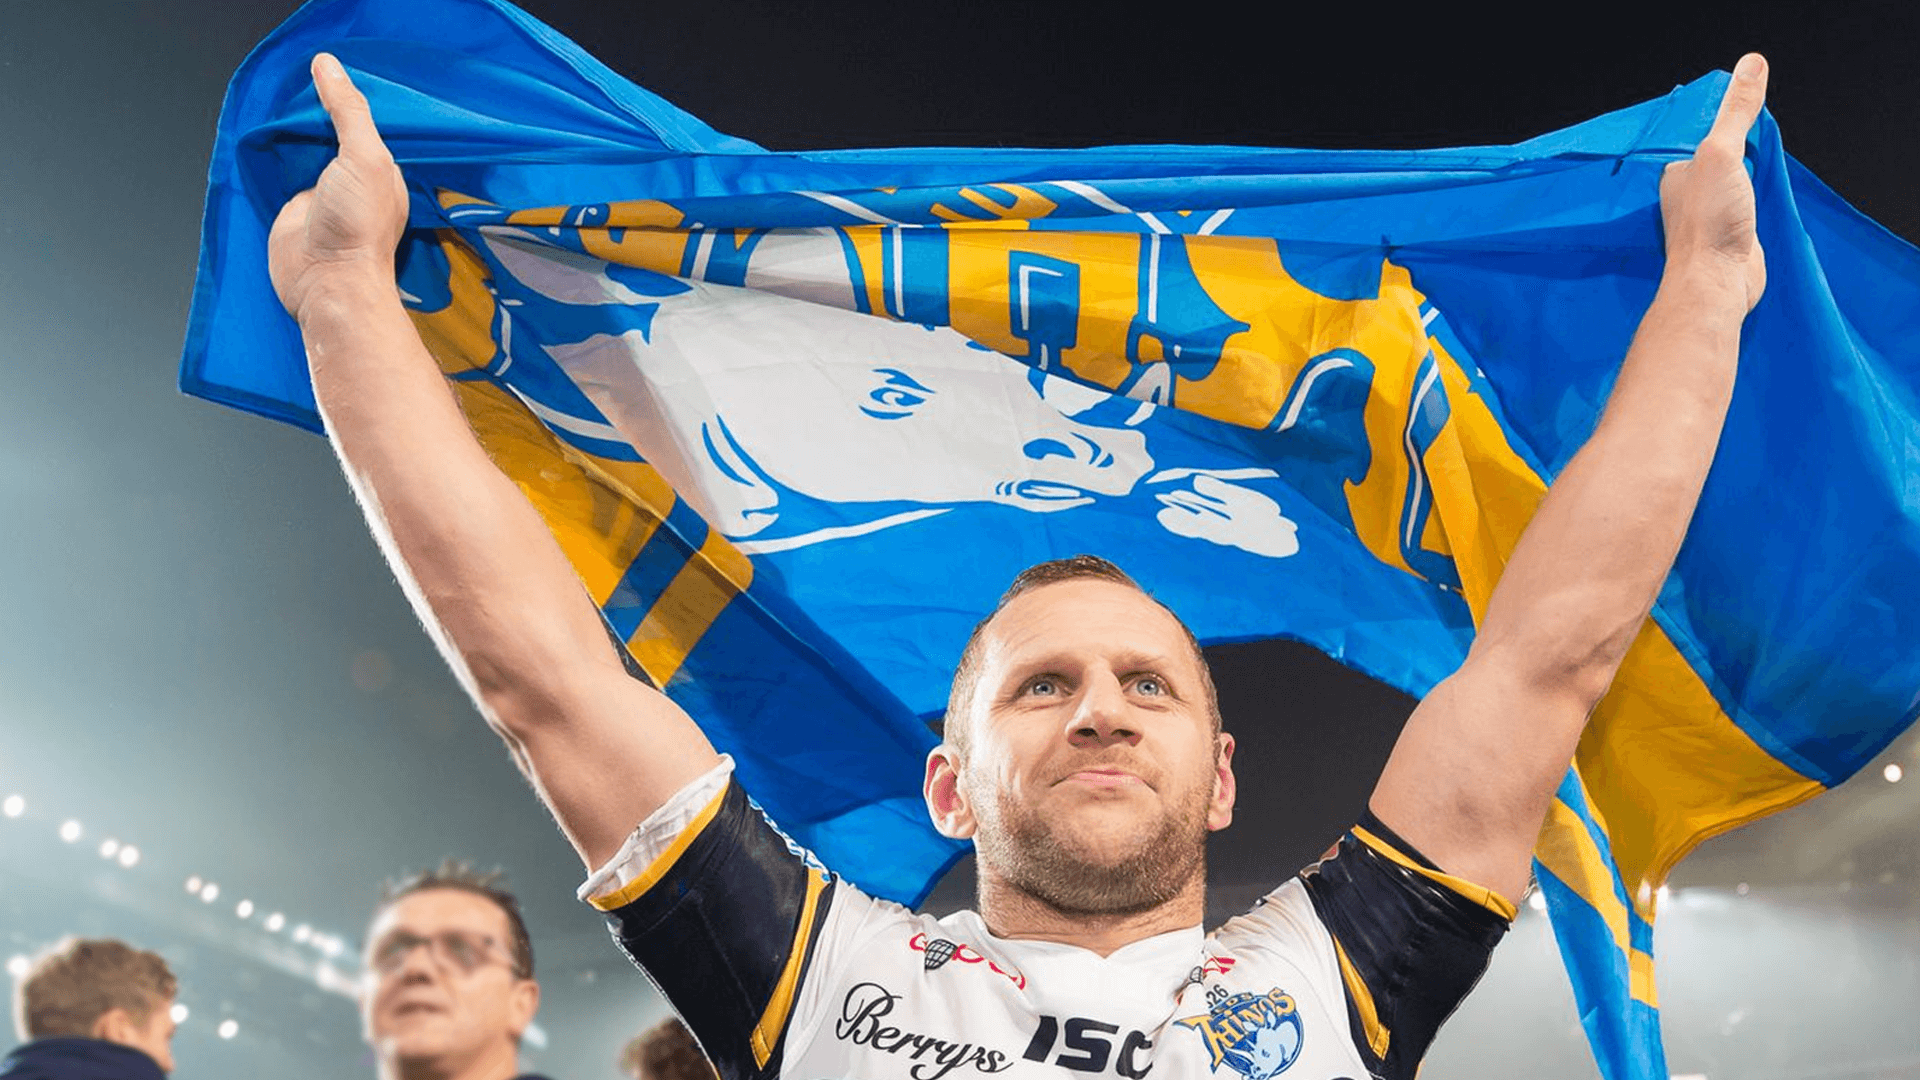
(93,1009)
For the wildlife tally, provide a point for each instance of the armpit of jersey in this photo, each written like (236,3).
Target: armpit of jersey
(1411,940)
(725,922)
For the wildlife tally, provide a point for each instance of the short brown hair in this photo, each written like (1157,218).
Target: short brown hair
(966,676)
(76,981)
(666,1051)
(454,874)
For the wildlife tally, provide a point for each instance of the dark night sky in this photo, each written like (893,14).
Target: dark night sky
(201,653)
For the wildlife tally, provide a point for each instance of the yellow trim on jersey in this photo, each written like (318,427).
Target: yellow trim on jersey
(657,869)
(774,1020)
(1377,1034)
(1479,894)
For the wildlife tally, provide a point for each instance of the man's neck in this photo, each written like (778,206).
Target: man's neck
(501,1063)
(1017,915)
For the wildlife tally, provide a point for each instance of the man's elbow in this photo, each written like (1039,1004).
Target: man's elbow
(1572,662)
(523,690)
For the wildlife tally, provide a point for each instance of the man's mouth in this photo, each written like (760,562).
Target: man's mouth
(1105,778)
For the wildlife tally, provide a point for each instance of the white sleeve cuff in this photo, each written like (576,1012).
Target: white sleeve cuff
(656,834)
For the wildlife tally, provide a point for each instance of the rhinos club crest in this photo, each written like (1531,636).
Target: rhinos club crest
(1259,1035)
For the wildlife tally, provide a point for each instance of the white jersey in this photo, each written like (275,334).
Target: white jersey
(783,971)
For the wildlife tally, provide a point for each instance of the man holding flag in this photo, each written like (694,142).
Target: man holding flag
(1084,754)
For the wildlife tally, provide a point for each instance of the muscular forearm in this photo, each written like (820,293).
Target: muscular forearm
(1586,572)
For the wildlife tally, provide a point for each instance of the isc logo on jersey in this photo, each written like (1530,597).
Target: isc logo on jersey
(1259,1035)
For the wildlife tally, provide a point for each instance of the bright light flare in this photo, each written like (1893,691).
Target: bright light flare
(129,855)
(1893,772)
(178,1012)
(209,893)
(109,848)
(229,1028)
(69,830)
(302,932)
(17,966)
(275,921)
(194,883)
(14,806)
(1538,901)
(244,909)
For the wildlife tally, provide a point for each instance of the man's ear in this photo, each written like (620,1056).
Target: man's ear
(523,1001)
(115,1026)
(946,803)
(1220,808)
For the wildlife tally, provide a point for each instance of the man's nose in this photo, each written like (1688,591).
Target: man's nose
(1100,716)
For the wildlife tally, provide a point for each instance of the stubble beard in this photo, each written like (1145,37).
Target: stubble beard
(1029,853)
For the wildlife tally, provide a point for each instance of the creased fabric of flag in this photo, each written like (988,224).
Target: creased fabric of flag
(797,418)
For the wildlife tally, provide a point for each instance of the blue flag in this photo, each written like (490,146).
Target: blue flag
(796,419)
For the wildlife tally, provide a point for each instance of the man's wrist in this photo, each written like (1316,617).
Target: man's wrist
(346,290)
(1709,290)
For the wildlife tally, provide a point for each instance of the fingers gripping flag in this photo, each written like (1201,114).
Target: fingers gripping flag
(797,418)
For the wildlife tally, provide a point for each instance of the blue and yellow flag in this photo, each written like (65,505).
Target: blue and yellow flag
(797,418)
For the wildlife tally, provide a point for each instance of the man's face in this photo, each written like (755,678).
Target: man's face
(1092,774)
(440,984)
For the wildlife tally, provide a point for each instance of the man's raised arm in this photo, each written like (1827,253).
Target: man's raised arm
(491,584)
(1469,781)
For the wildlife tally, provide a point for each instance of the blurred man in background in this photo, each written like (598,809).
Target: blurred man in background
(449,978)
(93,1009)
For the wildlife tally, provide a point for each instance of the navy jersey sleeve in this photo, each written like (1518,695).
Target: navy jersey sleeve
(725,922)
(1411,941)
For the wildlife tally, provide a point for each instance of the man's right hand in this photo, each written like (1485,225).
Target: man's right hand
(347,224)
(1707,203)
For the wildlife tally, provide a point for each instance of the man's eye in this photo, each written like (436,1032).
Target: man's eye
(463,951)
(1043,687)
(1150,684)
(392,952)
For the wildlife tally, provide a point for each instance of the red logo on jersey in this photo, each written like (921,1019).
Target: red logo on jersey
(1217,965)
(939,950)
(1212,965)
